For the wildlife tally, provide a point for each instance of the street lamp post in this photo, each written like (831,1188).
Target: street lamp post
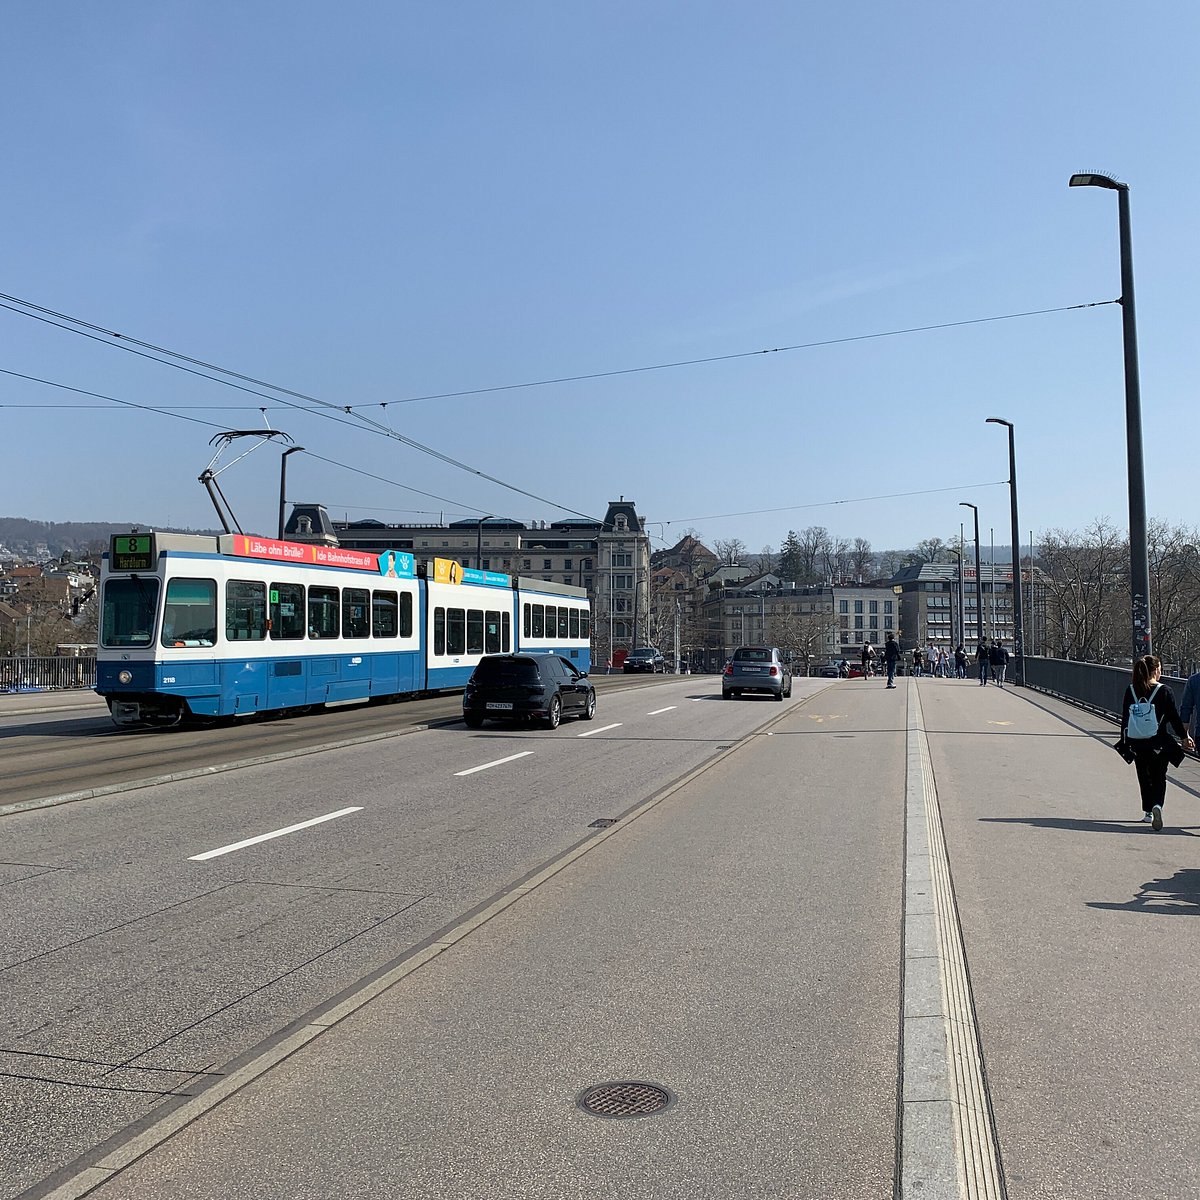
(479,540)
(958,620)
(978,574)
(283,483)
(1018,606)
(1139,563)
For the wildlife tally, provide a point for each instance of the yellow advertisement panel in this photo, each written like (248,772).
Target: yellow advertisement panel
(447,570)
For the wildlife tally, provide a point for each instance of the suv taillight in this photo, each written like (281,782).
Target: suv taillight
(729,668)
(774,670)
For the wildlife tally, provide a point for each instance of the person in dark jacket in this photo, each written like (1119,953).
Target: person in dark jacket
(983,657)
(891,656)
(998,659)
(960,662)
(1152,755)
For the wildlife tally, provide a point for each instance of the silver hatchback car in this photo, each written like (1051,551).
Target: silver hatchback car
(756,669)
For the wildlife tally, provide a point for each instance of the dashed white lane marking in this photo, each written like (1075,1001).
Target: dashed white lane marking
(662,710)
(266,837)
(485,766)
(602,729)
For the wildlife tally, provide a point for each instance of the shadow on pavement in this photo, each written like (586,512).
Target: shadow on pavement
(1091,826)
(1177,895)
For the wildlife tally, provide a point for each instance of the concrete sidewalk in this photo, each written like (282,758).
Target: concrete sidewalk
(740,944)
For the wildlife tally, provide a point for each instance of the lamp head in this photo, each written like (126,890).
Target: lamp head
(1094,179)
(968,504)
(998,421)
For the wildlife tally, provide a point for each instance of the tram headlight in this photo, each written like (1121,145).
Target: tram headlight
(125,676)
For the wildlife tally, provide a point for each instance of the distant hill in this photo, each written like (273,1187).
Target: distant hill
(23,536)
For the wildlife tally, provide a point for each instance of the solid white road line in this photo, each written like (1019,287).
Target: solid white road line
(662,710)
(266,837)
(485,766)
(602,729)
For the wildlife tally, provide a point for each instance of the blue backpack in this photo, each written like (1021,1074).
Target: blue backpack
(1143,719)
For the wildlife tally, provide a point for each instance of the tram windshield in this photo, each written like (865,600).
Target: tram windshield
(128,612)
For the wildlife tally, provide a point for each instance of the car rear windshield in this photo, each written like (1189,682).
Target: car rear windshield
(643,654)
(506,670)
(751,655)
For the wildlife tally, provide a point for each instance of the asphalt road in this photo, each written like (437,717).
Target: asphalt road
(738,941)
(131,966)
(57,743)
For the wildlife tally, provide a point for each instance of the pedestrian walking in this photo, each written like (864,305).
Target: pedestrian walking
(1148,718)
(891,656)
(917,656)
(998,660)
(960,662)
(1190,704)
(982,658)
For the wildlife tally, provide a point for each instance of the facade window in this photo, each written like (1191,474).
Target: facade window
(623,583)
(589,582)
(843,606)
(874,606)
(622,560)
(568,564)
(887,606)
(858,622)
(525,565)
(546,566)
(587,564)
(858,608)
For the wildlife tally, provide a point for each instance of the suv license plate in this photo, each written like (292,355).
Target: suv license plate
(752,670)
(495,706)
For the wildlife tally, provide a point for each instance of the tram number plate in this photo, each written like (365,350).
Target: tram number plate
(496,706)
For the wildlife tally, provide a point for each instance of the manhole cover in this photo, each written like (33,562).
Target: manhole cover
(625,1098)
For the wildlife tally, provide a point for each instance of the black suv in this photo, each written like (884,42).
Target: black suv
(646,659)
(522,687)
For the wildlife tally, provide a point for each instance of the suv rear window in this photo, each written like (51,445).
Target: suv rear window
(751,655)
(506,670)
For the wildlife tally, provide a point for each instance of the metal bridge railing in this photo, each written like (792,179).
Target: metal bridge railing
(1091,685)
(20,674)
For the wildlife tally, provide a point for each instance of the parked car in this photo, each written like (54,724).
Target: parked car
(756,669)
(525,687)
(645,659)
(830,671)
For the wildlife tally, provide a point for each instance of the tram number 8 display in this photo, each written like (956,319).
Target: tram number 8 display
(131,552)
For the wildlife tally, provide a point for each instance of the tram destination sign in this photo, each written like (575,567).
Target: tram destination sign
(131,552)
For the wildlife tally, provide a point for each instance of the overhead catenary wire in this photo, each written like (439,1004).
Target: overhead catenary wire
(178,360)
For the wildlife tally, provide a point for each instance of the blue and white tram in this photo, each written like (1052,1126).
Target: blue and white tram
(234,625)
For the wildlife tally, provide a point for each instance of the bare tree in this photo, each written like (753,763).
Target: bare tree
(729,551)
(861,558)
(932,549)
(834,558)
(810,545)
(764,560)
(1086,577)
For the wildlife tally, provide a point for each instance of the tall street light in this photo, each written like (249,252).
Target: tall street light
(479,540)
(1018,607)
(283,482)
(978,575)
(1139,563)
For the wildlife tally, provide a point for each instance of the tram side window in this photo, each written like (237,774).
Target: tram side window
(585,624)
(491,631)
(439,631)
(525,625)
(505,633)
(190,613)
(456,630)
(574,633)
(127,615)
(551,620)
(245,611)
(383,614)
(356,613)
(564,622)
(287,611)
(406,614)
(474,631)
(322,612)
(538,628)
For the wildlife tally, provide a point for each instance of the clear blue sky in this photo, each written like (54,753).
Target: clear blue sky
(373,202)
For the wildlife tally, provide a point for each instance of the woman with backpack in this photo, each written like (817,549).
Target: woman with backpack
(1147,713)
